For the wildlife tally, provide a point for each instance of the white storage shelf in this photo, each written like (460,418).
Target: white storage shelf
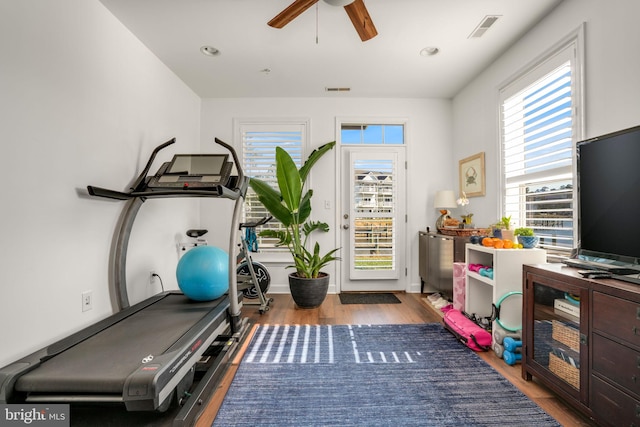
(482,292)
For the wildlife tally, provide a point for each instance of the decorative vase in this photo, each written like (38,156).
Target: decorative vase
(308,292)
(497,232)
(528,242)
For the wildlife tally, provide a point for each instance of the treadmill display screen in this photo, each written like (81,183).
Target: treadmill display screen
(197,171)
(197,164)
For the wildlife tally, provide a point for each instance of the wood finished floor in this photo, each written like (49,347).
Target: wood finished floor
(412,310)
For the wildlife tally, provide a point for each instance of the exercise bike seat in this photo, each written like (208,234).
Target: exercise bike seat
(196,233)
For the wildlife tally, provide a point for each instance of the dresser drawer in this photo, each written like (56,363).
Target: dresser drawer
(613,407)
(618,363)
(617,317)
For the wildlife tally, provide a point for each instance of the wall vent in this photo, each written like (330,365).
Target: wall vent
(337,89)
(484,25)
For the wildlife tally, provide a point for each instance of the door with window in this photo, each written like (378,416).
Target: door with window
(373,218)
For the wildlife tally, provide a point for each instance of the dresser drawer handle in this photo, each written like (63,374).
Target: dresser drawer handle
(638,313)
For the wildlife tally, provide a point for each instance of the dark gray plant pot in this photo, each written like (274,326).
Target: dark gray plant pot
(308,293)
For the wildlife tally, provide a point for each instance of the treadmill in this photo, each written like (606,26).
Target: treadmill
(164,352)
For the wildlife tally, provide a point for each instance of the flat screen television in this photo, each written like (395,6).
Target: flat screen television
(608,195)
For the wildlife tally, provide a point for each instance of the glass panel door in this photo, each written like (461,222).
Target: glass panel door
(373,220)
(556,332)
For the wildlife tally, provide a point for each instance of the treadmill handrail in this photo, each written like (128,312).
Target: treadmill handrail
(235,160)
(218,191)
(143,175)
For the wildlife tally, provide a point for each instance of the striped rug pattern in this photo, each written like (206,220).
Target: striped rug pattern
(370,375)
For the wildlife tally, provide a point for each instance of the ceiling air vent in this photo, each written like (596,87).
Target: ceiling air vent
(484,25)
(337,89)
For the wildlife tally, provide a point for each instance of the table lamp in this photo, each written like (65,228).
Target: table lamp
(444,200)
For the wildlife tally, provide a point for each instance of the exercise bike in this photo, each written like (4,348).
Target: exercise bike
(253,277)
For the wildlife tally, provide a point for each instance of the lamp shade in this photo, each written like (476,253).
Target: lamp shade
(445,199)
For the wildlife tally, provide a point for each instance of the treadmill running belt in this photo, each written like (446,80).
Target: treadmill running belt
(118,350)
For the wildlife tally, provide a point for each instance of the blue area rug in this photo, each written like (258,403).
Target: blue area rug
(373,375)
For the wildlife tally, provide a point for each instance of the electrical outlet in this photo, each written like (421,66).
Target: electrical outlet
(152,277)
(87,300)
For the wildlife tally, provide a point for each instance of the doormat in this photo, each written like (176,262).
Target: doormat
(369,298)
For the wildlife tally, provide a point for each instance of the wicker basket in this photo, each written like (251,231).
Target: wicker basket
(565,334)
(463,231)
(562,369)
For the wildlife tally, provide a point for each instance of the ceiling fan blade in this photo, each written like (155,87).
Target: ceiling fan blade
(361,20)
(291,13)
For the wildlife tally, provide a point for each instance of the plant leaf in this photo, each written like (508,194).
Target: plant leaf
(289,180)
(305,207)
(272,200)
(313,158)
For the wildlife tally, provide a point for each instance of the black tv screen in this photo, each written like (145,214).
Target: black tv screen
(608,190)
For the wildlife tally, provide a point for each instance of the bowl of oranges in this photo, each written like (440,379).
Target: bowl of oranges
(498,243)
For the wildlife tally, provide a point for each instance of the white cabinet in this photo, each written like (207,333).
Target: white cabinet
(483,291)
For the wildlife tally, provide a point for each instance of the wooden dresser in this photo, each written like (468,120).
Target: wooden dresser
(581,338)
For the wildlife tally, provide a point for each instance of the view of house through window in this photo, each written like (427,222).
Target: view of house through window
(374,200)
(538,116)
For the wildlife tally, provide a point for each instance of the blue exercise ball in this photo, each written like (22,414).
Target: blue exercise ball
(203,273)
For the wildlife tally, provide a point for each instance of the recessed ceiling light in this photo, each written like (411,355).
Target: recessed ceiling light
(429,51)
(209,51)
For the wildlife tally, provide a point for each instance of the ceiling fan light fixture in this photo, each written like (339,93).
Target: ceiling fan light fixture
(209,51)
(338,2)
(429,51)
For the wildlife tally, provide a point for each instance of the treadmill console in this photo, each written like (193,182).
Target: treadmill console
(199,171)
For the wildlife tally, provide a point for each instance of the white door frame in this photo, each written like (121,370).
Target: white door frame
(402,247)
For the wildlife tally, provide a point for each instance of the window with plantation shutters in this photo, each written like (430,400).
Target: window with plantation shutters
(540,124)
(259,142)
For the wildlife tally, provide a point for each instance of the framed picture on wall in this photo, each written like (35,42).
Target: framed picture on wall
(471,175)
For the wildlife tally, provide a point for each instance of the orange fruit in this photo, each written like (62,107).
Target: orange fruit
(508,244)
(498,244)
(487,241)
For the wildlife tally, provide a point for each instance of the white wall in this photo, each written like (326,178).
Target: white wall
(612,86)
(82,102)
(429,155)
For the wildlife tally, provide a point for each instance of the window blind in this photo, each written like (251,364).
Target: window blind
(538,136)
(259,142)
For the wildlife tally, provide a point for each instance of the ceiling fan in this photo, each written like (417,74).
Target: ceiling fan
(356,10)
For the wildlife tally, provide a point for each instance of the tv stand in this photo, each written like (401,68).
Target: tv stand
(587,352)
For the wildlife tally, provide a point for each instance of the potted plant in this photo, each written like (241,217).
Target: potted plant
(526,237)
(502,228)
(291,205)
